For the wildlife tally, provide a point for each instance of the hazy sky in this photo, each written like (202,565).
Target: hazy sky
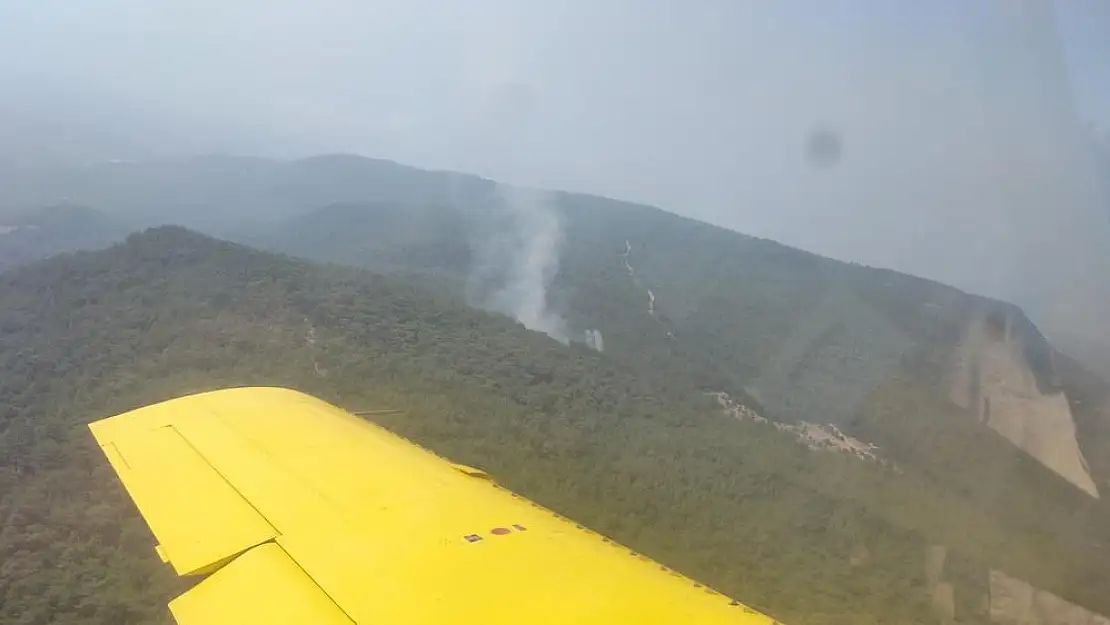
(959,152)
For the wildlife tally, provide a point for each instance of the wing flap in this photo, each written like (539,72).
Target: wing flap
(262,585)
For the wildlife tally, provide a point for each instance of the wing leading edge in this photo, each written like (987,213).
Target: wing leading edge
(300,512)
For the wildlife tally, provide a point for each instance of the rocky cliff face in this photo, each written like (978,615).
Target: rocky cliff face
(990,375)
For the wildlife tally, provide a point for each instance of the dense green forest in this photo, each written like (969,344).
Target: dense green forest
(631,448)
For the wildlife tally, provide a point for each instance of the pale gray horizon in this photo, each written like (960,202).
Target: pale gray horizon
(962,124)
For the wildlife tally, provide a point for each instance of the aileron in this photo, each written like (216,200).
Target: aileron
(263,585)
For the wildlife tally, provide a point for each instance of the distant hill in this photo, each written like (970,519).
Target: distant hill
(389,237)
(223,193)
(32,235)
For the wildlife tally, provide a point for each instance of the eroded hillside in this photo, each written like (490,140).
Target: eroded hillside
(989,375)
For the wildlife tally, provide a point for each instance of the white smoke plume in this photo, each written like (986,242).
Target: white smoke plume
(517,257)
(595,340)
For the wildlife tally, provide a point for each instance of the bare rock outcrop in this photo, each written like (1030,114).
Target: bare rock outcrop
(989,376)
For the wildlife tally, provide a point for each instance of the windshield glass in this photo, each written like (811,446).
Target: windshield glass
(805,301)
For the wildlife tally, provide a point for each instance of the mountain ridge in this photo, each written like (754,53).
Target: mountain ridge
(845,283)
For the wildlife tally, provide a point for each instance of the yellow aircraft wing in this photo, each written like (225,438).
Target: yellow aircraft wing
(296,511)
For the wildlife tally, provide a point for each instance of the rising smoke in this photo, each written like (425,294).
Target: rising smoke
(595,340)
(517,256)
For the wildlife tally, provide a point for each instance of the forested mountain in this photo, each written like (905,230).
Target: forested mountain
(810,537)
(798,336)
(31,235)
(687,408)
